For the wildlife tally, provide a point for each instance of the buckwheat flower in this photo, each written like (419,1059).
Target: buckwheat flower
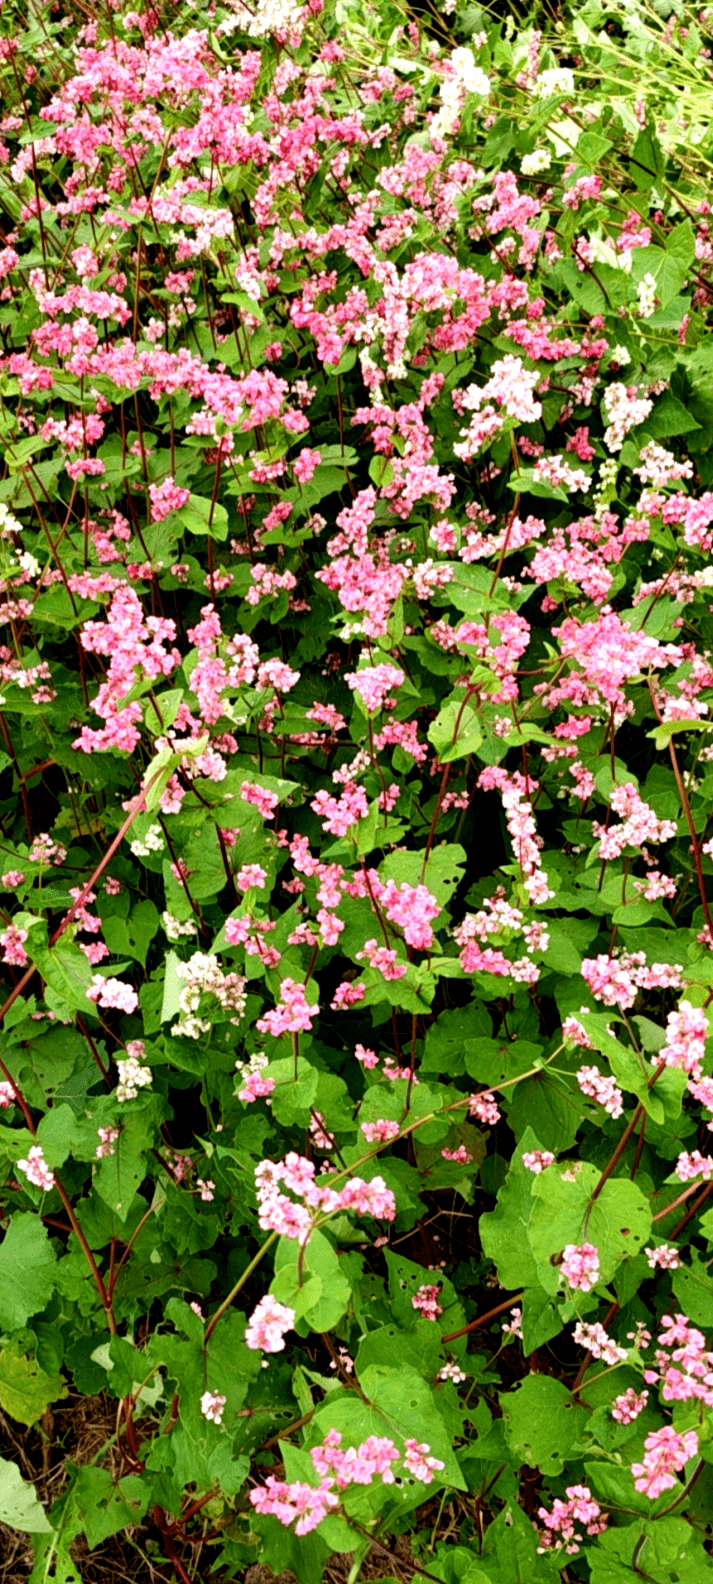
(557,80)
(513,1326)
(36,1169)
(345,1360)
(537,1160)
(107,1139)
(580,1265)
(207,1189)
(418,1463)
(11,940)
(452,1372)
(132,1076)
(484,1108)
(110,993)
(212,1405)
(602,1089)
(692,1165)
(379,1132)
(601,1346)
(627,1407)
(460,1156)
(686,1033)
(532,164)
(267,1325)
(376,684)
(665,1257)
(426,1301)
(7,1095)
(646,293)
(12,879)
(665,1454)
(251,875)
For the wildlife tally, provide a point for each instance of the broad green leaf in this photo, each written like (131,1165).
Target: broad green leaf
(27,1270)
(456,732)
(542,1422)
(503,1231)
(693,1287)
(105,1506)
(25,1389)
(617,1222)
(200,516)
(19,1504)
(118,1176)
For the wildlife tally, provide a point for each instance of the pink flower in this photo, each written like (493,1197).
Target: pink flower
(7,1095)
(627,1407)
(267,1325)
(665,1454)
(665,1257)
(251,875)
(375,683)
(293,1014)
(580,1265)
(602,1089)
(379,1132)
(426,1301)
(212,1405)
(36,1169)
(484,1108)
(560,1524)
(418,1463)
(264,800)
(537,1160)
(11,940)
(112,993)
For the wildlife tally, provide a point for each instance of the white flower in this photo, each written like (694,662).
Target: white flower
(646,293)
(558,80)
(539,160)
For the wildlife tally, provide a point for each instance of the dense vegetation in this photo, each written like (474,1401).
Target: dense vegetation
(356,516)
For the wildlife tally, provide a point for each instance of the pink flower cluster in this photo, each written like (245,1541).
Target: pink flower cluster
(426,1301)
(580,1265)
(306,1505)
(110,993)
(638,825)
(615,980)
(602,1089)
(267,1325)
(597,1342)
(294,1012)
(665,1454)
(516,793)
(278,1213)
(685,1372)
(376,684)
(36,1169)
(560,1525)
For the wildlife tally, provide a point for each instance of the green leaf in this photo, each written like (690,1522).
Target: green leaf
(19,1505)
(668,270)
(694,1290)
(106,1507)
(456,732)
(118,1176)
(67,976)
(618,1222)
(58,1133)
(316,1289)
(25,1389)
(542,1422)
(503,1231)
(27,1270)
(196,517)
(510,1549)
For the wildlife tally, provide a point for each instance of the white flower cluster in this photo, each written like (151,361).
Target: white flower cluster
(204,976)
(265,18)
(624,413)
(464,78)
(8,523)
(257,1062)
(539,160)
(151,841)
(558,80)
(132,1077)
(174,929)
(646,293)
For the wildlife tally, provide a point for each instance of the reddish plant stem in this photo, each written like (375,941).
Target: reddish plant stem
(483,1319)
(695,844)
